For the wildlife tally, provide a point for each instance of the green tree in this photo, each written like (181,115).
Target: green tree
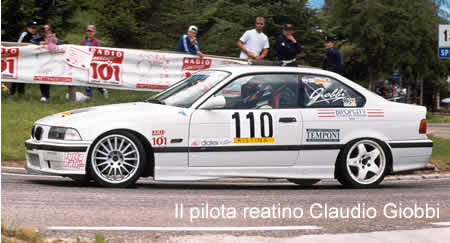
(391,35)
(158,24)
(16,14)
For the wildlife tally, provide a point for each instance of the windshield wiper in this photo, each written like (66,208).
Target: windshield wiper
(156,101)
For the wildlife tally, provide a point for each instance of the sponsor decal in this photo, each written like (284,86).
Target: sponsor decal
(350,113)
(319,95)
(211,142)
(255,140)
(375,112)
(74,160)
(182,113)
(158,132)
(158,137)
(349,102)
(322,135)
(159,140)
(194,64)
(326,113)
(106,67)
(10,60)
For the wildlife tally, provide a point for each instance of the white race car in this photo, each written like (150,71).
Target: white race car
(302,124)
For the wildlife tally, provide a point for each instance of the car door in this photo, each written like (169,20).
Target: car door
(331,111)
(260,124)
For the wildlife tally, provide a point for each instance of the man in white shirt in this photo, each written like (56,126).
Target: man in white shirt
(254,43)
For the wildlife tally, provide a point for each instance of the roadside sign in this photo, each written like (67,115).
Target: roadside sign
(444,41)
(444,52)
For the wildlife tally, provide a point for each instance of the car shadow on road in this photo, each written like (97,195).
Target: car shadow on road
(213,185)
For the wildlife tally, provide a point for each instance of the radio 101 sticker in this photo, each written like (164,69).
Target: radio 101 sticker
(106,67)
(10,58)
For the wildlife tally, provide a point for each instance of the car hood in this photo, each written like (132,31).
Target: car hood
(115,112)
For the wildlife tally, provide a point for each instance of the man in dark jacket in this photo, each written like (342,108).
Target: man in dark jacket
(25,37)
(332,60)
(287,47)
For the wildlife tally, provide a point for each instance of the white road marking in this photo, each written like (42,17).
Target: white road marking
(441,223)
(130,228)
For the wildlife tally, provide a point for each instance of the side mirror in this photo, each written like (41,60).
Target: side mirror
(214,102)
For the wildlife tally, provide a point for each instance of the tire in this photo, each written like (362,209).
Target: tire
(304,182)
(362,164)
(116,159)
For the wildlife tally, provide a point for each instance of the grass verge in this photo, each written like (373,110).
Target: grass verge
(441,153)
(438,119)
(21,235)
(19,112)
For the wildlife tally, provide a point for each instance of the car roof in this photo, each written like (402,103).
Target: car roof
(237,70)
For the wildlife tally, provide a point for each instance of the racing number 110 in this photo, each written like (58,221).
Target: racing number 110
(263,117)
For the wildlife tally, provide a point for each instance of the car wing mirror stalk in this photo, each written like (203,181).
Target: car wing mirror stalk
(215,102)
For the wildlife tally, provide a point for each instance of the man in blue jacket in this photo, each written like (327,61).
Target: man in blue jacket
(287,47)
(332,60)
(188,43)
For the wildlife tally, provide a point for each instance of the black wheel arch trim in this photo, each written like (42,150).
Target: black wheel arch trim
(411,145)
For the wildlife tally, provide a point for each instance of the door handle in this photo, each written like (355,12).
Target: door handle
(287,119)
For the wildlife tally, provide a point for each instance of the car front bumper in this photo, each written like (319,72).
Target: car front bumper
(67,158)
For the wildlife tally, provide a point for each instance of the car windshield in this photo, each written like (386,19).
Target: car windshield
(187,91)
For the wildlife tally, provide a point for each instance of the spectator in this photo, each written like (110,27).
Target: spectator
(25,37)
(254,43)
(188,43)
(90,40)
(332,60)
(47,38)
(287,47)
(4,88)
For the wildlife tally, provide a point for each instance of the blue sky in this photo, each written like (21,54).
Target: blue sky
(316,3)
(319,4)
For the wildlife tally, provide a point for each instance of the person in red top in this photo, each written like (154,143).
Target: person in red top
(90,40)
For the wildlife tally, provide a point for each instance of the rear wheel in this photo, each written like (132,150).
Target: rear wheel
(363,163)
(304,182)
(117,159)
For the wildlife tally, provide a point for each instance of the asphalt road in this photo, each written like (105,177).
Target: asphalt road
(439,129)
(46,202)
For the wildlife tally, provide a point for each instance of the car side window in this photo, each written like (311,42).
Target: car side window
(262,91)
(325,92)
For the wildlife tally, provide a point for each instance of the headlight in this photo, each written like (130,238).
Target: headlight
(63,133)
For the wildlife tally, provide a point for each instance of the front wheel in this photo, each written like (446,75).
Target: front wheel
(117,159)
(363,163)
